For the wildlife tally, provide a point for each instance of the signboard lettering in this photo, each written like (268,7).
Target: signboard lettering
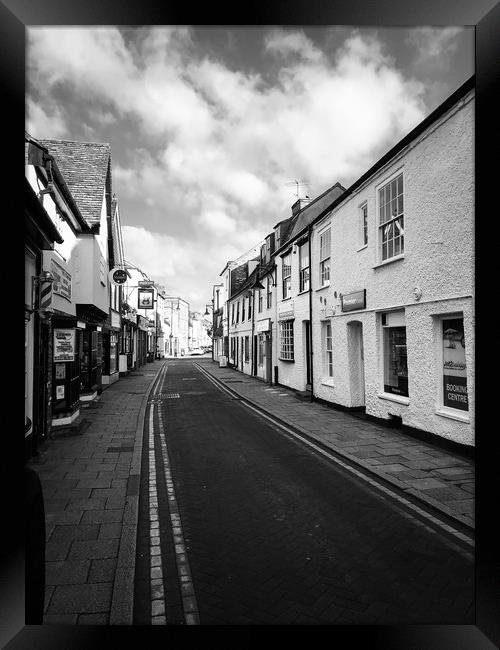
(454,365)
(62,280)
(353,301)
(64,345)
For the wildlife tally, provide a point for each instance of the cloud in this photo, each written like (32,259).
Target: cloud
(42,124)
(434,43)
(226,142)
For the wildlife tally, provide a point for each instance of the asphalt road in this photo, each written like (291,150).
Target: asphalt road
(268,532)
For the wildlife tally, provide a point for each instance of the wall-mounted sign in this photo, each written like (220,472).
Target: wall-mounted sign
(145,283)
(64,345)
(263,325)
(353,301)
(117,276)
(285,310)
(145,298)
(62,280)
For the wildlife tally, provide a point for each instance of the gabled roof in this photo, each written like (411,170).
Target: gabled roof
(85,166)
(309,213)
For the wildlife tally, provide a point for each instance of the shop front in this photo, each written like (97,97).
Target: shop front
(111,348)
(142,341)
(90,350)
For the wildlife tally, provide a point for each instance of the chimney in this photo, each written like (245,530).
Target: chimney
(298,205)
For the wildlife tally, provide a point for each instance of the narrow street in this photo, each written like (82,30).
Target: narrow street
(240,524)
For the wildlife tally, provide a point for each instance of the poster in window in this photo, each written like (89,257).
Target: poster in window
(64,345)
(454,365)
(60,371)
(59,392)
(145,298)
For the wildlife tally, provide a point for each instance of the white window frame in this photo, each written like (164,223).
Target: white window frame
(286,280)
(304,271)
(400,216)
(327,351)
(269,294)
(363,225)
(286,352)
(324,281)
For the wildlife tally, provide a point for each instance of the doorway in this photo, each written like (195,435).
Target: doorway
(355,354)
(307,347)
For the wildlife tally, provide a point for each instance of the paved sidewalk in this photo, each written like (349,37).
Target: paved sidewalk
(440,480)
(90,482)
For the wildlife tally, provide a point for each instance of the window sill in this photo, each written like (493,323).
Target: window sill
(285,299)
(361,248)
(328,382)
(389,261)
(325,286)
(400,399)
(453,415)
(302,292)
(286,360)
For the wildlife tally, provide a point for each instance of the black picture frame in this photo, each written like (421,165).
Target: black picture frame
(15,16)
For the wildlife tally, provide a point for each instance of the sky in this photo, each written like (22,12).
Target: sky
(210,127)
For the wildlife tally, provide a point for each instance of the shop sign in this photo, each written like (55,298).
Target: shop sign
(81,324)
(263,325)
(285,310)
(353,301)
(145,283)
(115,318)
(62,280)
(117,276)
(64,345)
(145,299)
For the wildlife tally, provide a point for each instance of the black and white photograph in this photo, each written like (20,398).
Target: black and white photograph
(250,344)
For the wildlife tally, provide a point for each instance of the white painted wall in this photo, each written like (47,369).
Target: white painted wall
(438,172)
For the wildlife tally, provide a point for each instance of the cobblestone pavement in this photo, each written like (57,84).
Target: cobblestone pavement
(244,525)
(90,481)
(439,479)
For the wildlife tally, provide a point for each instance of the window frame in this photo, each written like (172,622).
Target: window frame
(286,340)
(323,269)
(286,280)
(304,271)
(327,351)
(363,224)
(400,217)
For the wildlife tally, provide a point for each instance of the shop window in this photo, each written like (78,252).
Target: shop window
(395,361)
(454,364)
(391,218)
(261,351)
(286,340)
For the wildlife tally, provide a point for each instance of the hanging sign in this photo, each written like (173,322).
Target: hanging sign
(62,280)
(64,345)
(145,299)
(117,276)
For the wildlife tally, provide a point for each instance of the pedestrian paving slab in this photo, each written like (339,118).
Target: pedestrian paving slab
(442,480)
(87,475)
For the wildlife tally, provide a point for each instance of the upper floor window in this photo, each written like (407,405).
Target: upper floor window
(260,300)
(238,311)
(243,309)
(304,267)
(232,313)
(391,218)
(324,257)
(250,308)
(363,213)
(287,275)
(269,294)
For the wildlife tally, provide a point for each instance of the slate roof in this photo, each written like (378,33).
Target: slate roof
(309,212)
(84,166)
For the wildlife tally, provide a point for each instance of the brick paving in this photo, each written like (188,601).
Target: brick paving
(90,480)
(439,479)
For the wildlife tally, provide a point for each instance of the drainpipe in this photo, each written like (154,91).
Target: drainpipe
(310,314)
(253,328)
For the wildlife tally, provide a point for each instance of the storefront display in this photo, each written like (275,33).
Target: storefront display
(454,364)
